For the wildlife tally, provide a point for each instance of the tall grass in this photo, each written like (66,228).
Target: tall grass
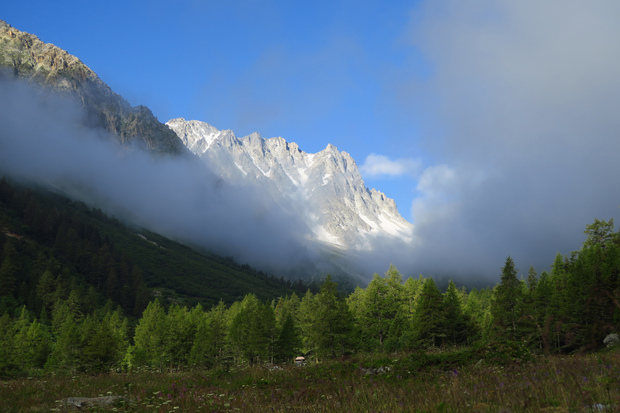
(551,384)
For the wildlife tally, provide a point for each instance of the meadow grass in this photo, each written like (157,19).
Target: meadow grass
(546,384)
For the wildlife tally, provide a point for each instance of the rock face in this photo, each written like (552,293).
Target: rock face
(325,188)
(24,56)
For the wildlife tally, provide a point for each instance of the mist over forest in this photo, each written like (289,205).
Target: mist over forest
(517,139)
(461,237)
(43,140)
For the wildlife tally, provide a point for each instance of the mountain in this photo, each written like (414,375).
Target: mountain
(325,189)
(264,202)
(24,56)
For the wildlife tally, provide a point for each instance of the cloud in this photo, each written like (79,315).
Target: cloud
(42,140)
(380,165)
(522,118)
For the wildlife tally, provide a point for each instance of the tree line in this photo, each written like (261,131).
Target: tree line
(570,308)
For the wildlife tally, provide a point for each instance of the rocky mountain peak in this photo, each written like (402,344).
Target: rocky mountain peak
(43,62)
(196,136)
(324,188)
(24,56)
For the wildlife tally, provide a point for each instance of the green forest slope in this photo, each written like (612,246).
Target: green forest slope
(51,246)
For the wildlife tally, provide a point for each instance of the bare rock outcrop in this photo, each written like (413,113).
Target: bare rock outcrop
(24,56)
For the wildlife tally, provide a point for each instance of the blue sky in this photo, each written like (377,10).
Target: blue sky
(312,72)
(492,123)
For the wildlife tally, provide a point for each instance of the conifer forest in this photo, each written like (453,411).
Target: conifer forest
(74,302)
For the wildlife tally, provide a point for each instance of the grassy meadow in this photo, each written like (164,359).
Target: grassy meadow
(415,383)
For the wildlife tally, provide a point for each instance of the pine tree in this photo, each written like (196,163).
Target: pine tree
(289,340)
(98,348)
(7,349)
(477,310)
(591,276)
(374,320)
(411,292)
(210,346)
(357,307)
(288,343)
(9,269)
(600,232)
(530,328)
(380,311)
(142,294)
(532,281)
(330,324)
(252,331)
(66,349)
(118,327)
(507,300)
(455,325)
(218,327)
(45,290)
(412,289)
(285,306)
(429,316)
(557,322)
(306,314)
(201,354)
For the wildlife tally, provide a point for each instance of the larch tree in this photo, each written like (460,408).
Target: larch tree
(252,331)
(429,317)
(210,343)
(149,339)
(329,326)
(33,342)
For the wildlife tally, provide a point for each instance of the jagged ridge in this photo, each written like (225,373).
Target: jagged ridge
(325,188)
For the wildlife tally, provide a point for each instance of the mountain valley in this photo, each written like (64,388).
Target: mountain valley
(264,202)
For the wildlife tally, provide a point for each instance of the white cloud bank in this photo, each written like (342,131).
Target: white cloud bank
(522,111)
(42,140)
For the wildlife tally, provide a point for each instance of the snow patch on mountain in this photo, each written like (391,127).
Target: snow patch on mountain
(325,188)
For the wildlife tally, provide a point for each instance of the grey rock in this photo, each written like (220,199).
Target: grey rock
(81,402)
(377,370)
(611,340)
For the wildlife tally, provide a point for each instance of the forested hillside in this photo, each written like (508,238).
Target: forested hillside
(61,261)
(55,249)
